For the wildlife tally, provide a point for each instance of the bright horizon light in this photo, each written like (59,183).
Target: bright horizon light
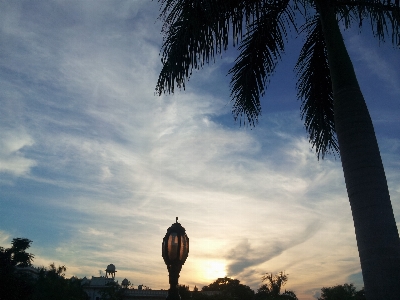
(211,270)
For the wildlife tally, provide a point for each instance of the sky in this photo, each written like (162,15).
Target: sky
(94,167)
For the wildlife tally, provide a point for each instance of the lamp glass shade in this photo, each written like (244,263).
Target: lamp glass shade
(184,250)
(173,244)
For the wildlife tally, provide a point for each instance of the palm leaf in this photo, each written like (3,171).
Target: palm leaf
(383,15)
(314,88)
(260,52)
(196,31)
(187,44)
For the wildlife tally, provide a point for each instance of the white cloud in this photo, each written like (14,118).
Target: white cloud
(116,164)
(4,239)
(12,158)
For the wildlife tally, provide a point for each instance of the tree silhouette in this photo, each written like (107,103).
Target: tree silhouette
(113,291)
(52,284)
(184,292)
(342,292)
(16,256)
(15,285)
(333,108)
(229,288)
(272,287)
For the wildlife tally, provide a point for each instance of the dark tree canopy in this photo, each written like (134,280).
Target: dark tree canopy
(50,284)
(16,256)
(113,291)
(230,288)
(184,292)
(342,292)
(271,289)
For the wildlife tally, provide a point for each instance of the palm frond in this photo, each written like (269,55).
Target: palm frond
(260,49)
(195,31)
(383,15)
(188,43)
(314,88)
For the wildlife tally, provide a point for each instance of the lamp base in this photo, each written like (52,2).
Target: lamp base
(173,293)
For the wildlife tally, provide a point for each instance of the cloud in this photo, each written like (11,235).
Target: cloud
(242,256)
(376,63)
(12,160)
(4,238)
(108,165)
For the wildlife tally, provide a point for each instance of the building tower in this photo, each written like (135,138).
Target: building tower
(110,271)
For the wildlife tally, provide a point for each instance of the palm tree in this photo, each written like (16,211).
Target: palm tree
(333,108)
(271,289)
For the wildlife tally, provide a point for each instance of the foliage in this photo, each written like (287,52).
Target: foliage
(273,283)
(16,256)
(52,284)
(271,289)
(184,292)
(195,32)
(333,108)
(229,288)
(342,292)
(126,284)
(17,284)
(197,295)
(113,291)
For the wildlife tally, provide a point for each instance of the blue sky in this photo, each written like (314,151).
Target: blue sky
(94,167)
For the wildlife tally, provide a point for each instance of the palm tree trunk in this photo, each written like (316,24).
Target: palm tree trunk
(375,227)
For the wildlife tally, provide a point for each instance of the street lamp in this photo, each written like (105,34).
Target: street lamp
(175,250)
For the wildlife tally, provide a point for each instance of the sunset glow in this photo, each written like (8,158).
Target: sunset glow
(212,270)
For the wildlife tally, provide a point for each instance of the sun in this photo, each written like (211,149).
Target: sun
(213,269)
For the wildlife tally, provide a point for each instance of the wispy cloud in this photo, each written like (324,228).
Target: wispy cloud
(12,159)
(98,166)
(242,256)
(376,63)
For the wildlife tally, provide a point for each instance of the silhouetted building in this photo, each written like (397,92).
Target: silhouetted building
(94,286)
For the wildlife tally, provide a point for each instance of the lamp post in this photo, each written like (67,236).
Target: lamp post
(175,250)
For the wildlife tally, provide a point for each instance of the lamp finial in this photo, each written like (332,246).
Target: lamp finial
(176,220)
